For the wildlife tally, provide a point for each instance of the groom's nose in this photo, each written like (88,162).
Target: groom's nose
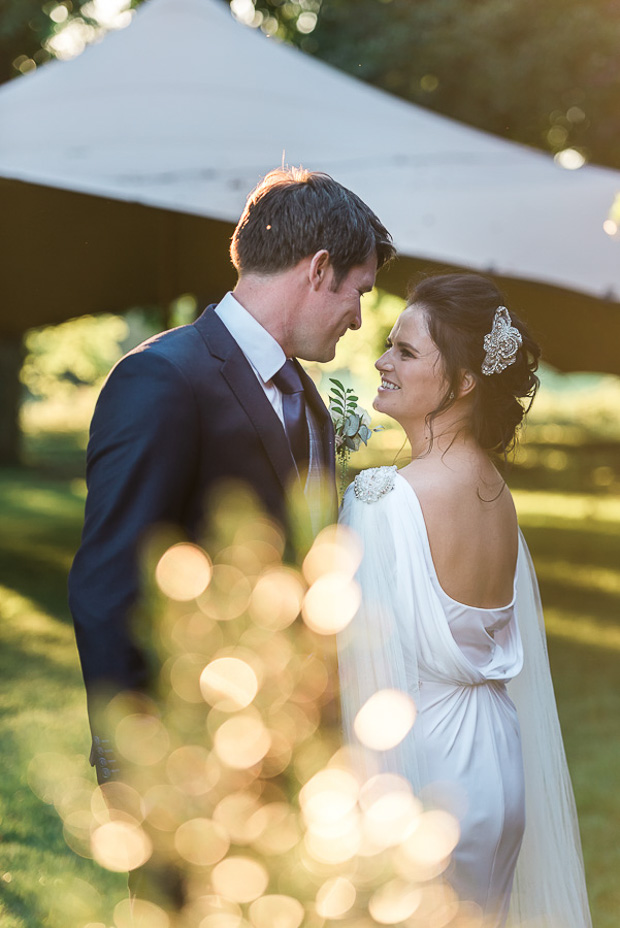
(357,321)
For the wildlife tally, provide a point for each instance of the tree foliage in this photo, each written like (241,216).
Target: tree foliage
(544,74)
(77,352)
(34,31)
(80,352)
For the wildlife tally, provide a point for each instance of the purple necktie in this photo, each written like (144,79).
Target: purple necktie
(288,381)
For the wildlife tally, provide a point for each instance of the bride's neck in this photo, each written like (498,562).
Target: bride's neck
(440,441)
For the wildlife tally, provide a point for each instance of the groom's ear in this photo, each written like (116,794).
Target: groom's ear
(318,268)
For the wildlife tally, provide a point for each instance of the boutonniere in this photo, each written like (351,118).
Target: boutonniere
(351,426)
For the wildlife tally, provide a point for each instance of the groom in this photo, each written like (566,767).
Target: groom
(221,399)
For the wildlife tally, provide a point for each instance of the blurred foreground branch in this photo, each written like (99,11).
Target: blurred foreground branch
(238,807)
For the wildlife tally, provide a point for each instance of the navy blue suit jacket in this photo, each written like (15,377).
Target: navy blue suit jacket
(176,416)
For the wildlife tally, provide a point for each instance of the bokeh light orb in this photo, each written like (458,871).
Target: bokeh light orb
(336,549)
(120,846)
(191,769)
(277,598)
(237,812)
(228,684)
(333,847)
(201,841)
(142,739)
(139,913)
(242,741)
(278,827)
(335,897)
(212,911)
(165,807)
(184,672)
(330,603)
(227,595)
(432,840)
(276,912)
(240,879)
(330,794)
(394,902)
(223,920)
(116,801)
(385,719)
(390,809)
(183,572)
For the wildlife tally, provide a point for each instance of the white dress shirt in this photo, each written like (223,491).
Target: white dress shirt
(262,351)
(266,357)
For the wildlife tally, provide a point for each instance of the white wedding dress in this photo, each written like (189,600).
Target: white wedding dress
(487,723)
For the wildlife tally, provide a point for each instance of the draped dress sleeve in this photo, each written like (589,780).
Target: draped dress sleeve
(549,889)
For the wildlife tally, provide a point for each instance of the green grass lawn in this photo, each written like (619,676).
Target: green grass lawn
(42,710)
(575,540)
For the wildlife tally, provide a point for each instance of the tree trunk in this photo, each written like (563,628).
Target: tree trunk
(11,358)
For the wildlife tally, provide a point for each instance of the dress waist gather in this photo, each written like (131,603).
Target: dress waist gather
(497,683)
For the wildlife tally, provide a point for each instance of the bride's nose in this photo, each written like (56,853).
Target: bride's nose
(383,363)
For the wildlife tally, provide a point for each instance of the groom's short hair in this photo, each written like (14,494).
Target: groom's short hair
(293,213)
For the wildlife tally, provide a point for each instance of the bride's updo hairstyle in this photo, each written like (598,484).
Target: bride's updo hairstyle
(460,310)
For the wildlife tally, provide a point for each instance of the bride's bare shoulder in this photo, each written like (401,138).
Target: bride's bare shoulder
(430,480)
(444,490)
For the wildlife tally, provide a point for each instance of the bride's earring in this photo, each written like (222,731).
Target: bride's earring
(451,397)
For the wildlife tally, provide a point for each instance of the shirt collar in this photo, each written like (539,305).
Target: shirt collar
(260,348)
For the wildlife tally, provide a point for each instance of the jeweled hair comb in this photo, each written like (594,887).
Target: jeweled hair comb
(501,344)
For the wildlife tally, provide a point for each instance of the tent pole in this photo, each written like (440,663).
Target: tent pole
(166,265)
(11,359)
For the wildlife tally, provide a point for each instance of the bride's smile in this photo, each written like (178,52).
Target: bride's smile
(412,382)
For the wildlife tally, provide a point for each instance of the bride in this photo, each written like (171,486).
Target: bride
(450,607)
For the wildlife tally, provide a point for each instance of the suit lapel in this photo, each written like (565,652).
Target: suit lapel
(243,382)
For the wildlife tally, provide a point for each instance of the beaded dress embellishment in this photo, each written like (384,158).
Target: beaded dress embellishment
(374,482)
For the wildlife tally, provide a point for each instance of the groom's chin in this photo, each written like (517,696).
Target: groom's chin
(316,356)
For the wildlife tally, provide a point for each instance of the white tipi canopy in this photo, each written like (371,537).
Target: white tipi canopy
(186,109)
(123,171)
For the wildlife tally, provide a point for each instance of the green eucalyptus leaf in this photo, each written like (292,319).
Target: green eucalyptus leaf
(352,425)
